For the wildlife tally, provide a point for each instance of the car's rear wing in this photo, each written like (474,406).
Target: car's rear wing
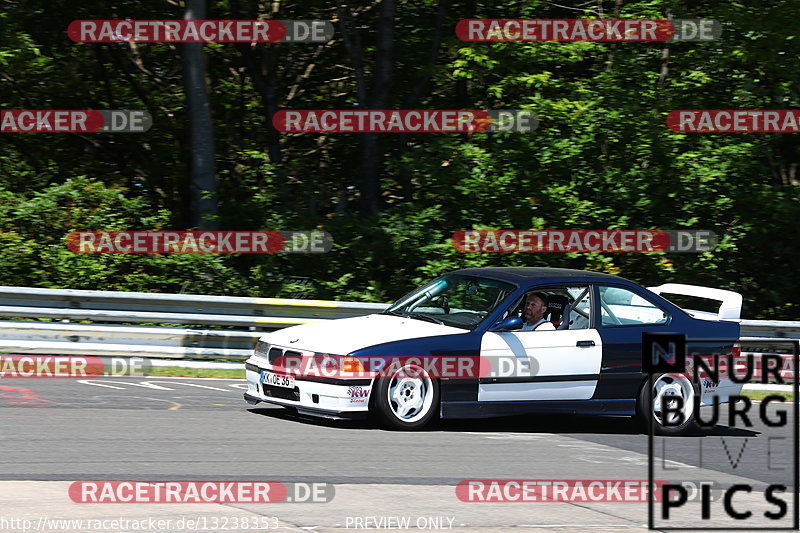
(731,302)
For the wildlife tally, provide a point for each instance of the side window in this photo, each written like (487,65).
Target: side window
(581,308)
(475,298)
(567,308)
(621,307)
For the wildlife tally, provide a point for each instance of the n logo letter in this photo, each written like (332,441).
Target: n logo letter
(663,352)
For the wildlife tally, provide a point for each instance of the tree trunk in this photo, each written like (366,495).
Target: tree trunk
(203,185)
(371,154)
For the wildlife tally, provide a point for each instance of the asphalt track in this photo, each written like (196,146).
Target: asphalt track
(194,429)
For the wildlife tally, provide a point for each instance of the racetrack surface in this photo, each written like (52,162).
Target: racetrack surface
(191,429)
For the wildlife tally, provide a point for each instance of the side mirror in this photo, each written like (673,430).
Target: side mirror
(509,324)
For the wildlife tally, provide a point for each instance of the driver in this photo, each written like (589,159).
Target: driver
(535,308)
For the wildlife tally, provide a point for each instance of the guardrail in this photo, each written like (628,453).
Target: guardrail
(66,306)
(69,338)
(770,328)
(124,341)
(145,307)
(781,347)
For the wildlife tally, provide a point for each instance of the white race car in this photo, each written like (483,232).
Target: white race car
(455,348)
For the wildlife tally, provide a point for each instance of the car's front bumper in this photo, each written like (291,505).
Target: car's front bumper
(325,397)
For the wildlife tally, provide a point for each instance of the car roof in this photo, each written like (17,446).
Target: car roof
(520,275)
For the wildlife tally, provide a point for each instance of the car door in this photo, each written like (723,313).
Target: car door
(544,365)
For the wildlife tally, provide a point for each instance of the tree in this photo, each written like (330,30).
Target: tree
(203,184)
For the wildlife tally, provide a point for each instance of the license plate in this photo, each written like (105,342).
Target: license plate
(277,380)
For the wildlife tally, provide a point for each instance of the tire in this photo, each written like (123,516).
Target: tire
(649,407)
(406,400)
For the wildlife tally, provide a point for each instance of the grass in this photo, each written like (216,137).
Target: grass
(761,394)
(177,371)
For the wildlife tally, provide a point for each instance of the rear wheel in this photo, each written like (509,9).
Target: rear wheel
(408,399)
(665,392)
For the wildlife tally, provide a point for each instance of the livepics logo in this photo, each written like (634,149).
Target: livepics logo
(742,453)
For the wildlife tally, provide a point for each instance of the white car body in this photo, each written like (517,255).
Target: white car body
(330,397)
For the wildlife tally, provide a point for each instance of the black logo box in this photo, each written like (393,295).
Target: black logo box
(666,353)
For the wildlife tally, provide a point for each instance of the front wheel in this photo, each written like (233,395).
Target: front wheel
(406,400)
(679,417)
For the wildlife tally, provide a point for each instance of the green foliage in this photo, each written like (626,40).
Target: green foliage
(601,158)
(33,230)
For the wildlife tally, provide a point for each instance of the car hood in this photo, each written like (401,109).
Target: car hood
(346,335)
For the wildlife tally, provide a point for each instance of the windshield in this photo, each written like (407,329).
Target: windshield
(453,300)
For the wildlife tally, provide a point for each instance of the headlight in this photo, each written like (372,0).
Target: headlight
(261,349)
